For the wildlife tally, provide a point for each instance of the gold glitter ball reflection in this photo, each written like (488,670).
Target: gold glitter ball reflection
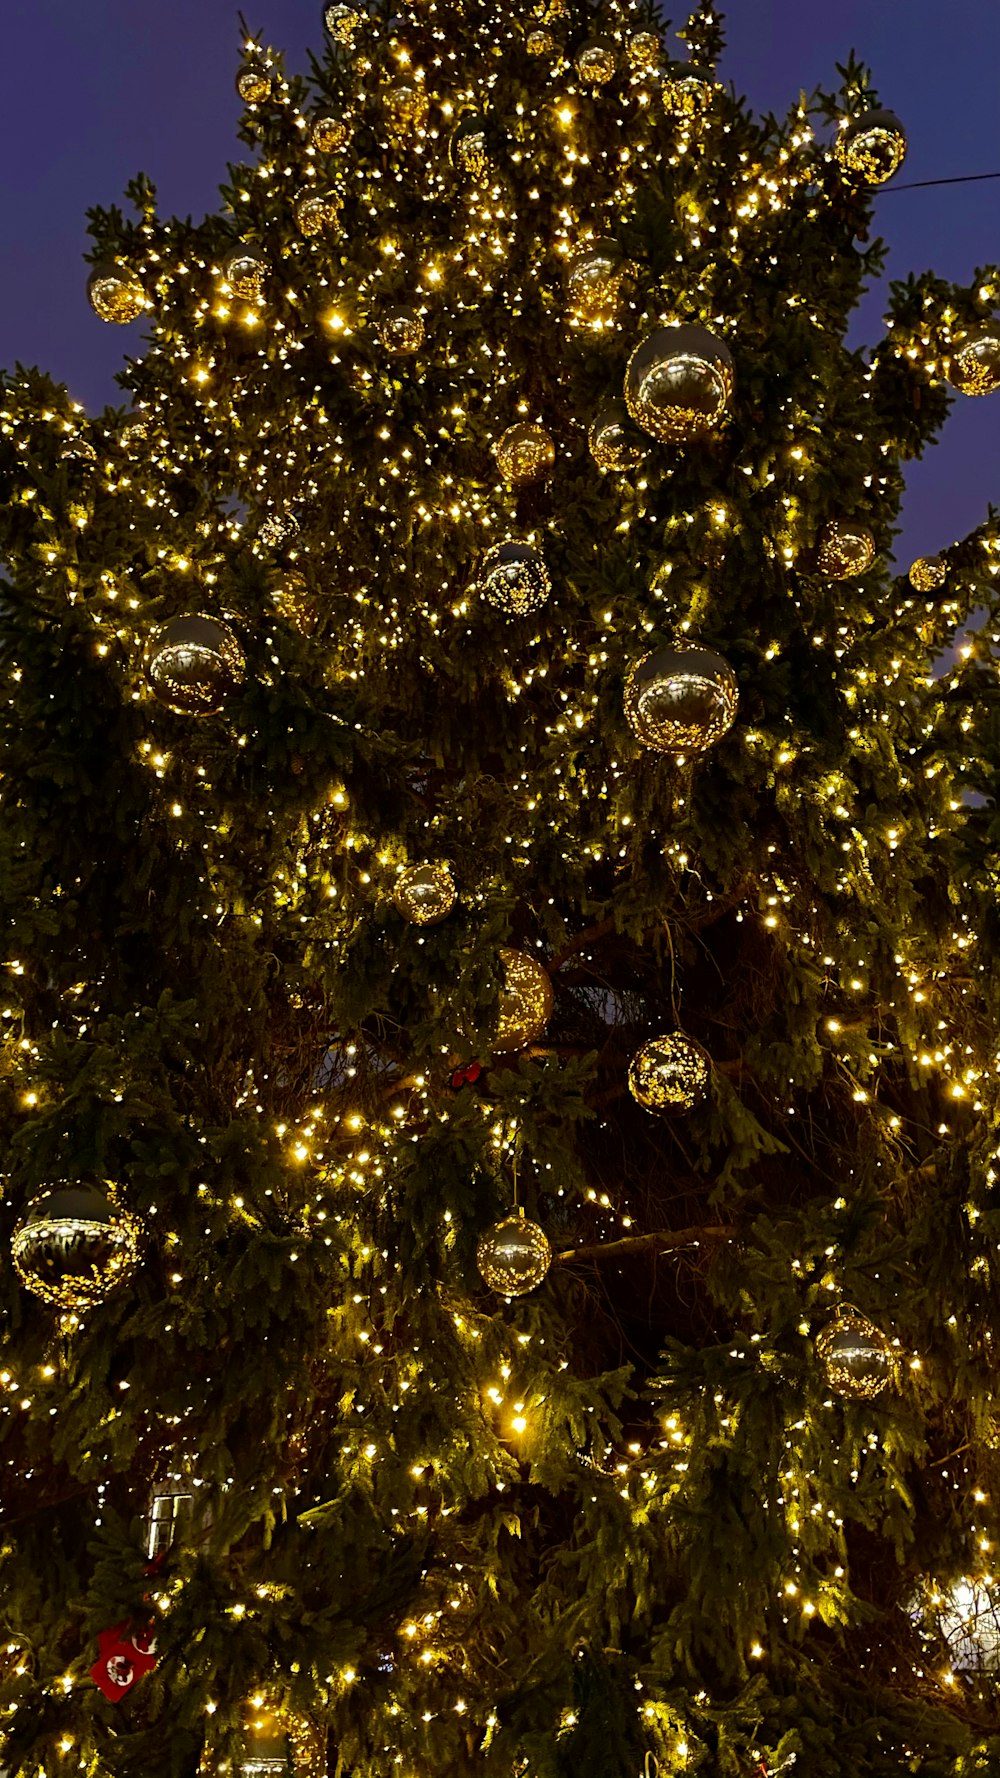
(406,105)
(644,51)
(525,453)
(244,270)
(858,1359)
(927,573)
(330,133)
(253,83)
(974,366)
(615,441)
(401,331)
(669,1073)
(681,700)
(193,665)
(687,92)
(317,212)
(679,382)
(514,578)
(871,148)
(341,21)
(75,1246)
(540,43)
(513,1256)
(845,548)
(525,1001)
(425,894)
(115,294)
(595,279)
(595,62)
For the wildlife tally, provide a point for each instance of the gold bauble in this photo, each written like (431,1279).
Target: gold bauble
(669,1073)
(253,83)
(845,548)
(856,1355)
(681,700)
(330,133)
(425,894)
(644,51)
(277,1741)
(317,212)
(974,364)
(513,1256)
(595,278)
(275,528)
(615,443)
(406,107)
(401,331)
(193,665)
(679,382)
(133,431)
(75,1246)
(245,270)
(927,573)
(468,149)
(115,294)
(525,1001)
(525,453)
(870,149)
(548,11)
(687,92)
(540,43)
(514,578)
(294,600)
(595,62)
(341,22)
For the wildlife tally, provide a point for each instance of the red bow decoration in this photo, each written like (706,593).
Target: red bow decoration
(122,1658)
(467,1076)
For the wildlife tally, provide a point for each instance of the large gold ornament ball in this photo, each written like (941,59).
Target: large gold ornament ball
(425,894)
(845,548)
(245,270)
(526,1001)
(317,212)
(540,43)
(595,279)
(974,365)
(644,51)
(514,578)
(669,1073)
(687,92)
(75,1246)
(406,105)
(595,62)
(928,573)
(401,331)
(341,22)
(330,133)
(115,293)
(525,453)
(468,150)
(513,1256)
(615,442)
(871,148)
(858,1359)
(253,82)
(193,665)
(679,382)
(681,700)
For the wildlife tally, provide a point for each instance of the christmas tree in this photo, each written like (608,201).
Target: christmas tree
(499,1020)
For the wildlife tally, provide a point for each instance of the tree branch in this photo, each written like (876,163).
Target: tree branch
(662,1240)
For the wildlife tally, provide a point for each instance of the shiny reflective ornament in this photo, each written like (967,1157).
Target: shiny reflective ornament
(687,92)
(525,453)
(276,528)
(467,150)
(133,431)
(974,364)
(401,331)
(679,382)
(406,106)
(253,83)
(75,1246)
(341,22)
(927,573)
(644,51)
(330,133)
(294,600)
(525,1001)
(317,212)
(277,1743)
(115,294)
(514,578)
(540,43)
(595,278)
(669,1073)
(193,665)
(845,548)
(425,894)
(681,700)
(967,1615)
(871,148)
(513,1256)
(245,270)
(856,1355)
(615,442)
(595,62)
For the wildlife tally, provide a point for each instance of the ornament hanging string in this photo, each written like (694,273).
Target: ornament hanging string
(920,184)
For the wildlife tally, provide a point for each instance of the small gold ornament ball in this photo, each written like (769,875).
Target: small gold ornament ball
(425,894)
(681,700)
(245,270)
(317,212)
(193,664)
(687,92)
(669,1073)
(406,106)
(540,43)
(858,1359)
(928,573)
(513,1256)
(330,133)
(115,294)
(293,599)
(974,366)
(341,22)
(870,149)
(514,578)
(595,278)
(401,331)
(525,453)
(133,431)
(75,1246)
(253,83)
(468,151)
(525,1001)
(845,548)
(679,382)
(276,527)
(644,51)
(595,62)
(615,443)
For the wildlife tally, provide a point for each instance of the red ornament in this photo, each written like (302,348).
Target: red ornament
(123,1657)
(467,1076)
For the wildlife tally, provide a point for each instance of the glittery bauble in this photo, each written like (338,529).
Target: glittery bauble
(595,62)
(193,665)
(615,443)
(294,600)
(513,576)
(317,212)
(75,1246)
(974,365)
(594,280)
(133,431)
(330,133)
(244,270)
(468,151)
(341,22)
(525,1001)
(401,331)
(513,1256)
(276,527)
(669,1073)
(857,1357)
(870,149)
(928,573)
(425,894)
(679,382)
(525,453)
(681,700)
(253,83)
(644,51)
(406,108)
(539,43)
(845,548)
(115,293)
(687,92)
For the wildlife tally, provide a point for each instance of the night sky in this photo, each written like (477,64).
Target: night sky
(96,92)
